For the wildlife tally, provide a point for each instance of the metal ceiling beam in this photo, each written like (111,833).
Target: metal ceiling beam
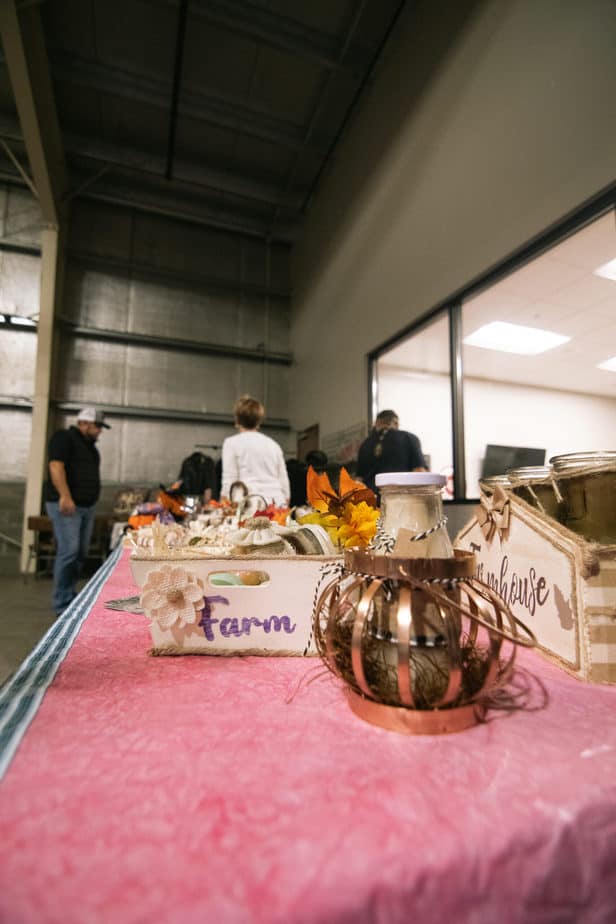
(20,169)
(220,110)
(165,203)
(192,213)
(277,31)
(26,249)
(130,158)
(196,175)
(26,59)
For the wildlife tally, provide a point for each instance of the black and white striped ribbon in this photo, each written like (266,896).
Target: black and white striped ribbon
(428,532)
(328,570)
(382,541)
(385,542)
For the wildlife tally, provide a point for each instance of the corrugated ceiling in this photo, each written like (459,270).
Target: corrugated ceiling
(223,112)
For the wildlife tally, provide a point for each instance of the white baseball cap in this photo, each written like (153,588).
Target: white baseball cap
(91,415)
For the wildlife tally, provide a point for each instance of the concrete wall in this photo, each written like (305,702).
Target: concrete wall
(486,122)
(145,275)
(149,275)
(20,225)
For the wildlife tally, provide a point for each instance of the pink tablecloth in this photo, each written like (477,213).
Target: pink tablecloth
(201,789)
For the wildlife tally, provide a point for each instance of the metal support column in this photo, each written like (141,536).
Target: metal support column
(51,278)
(23,42)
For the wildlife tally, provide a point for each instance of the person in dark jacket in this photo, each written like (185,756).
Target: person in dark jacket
(71,494)
(297,472)
(388,449)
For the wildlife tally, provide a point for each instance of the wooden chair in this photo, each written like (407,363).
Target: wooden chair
(43,547)
(101,534)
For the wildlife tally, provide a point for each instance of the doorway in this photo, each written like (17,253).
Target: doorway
(307,441)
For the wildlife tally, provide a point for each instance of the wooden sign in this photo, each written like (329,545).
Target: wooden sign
(561,586)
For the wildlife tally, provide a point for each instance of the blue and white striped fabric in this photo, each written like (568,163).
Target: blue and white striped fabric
(22,694)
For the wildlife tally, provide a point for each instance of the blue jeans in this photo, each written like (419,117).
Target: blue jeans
(72,534)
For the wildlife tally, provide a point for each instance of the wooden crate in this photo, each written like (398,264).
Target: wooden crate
(273,618)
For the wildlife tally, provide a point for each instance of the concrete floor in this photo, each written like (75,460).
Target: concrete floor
(25,616)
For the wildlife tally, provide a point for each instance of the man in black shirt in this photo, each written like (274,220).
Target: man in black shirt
(388,449)
(71,495)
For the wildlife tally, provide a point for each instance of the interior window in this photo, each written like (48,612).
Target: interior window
(539,357)
(413,379)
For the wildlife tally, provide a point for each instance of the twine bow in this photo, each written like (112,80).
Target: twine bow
(493,514)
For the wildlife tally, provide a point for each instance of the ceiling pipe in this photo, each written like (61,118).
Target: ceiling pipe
(177,81)
(351,109)
(324,92)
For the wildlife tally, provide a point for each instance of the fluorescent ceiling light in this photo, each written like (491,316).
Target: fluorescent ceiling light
(514,338)
(609,364)
(21,321)
(607,270)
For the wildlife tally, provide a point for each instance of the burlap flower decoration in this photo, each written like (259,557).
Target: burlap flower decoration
(172,596)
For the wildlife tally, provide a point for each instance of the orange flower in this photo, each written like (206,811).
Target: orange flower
(323,498)
(349,517)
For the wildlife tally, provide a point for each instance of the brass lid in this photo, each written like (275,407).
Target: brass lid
(527,474)
(571,462)
(492,480)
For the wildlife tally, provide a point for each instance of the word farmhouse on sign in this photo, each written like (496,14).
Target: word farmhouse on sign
(529,591)
(561,584)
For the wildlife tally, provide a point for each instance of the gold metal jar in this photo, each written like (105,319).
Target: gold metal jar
(417,641)
(586,482)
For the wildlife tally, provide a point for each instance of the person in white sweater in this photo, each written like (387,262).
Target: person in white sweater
(253,458)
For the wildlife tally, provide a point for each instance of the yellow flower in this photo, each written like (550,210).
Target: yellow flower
(355,526)
(359,524)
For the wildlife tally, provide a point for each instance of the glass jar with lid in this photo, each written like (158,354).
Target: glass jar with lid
(488,484)
(586,482)
(412,525)
(535,485)
(412,501)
